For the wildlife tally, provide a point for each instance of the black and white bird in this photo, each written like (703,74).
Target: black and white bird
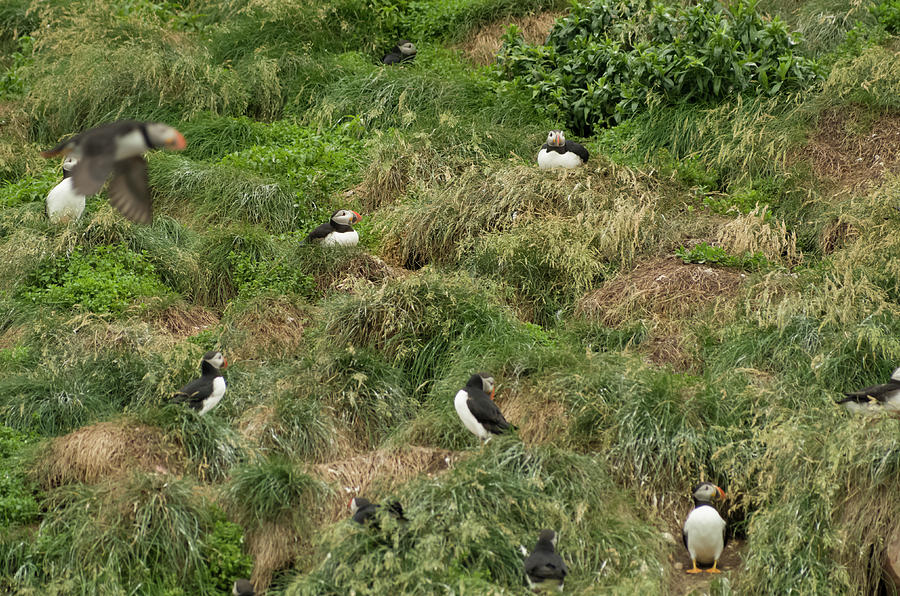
(117,148)
(544,568)
(875,398)
(404,51)
(477,410)
(704,529)
(557,152)
(362,511)
(338,230)
(205,393)
(64,204)
(242,587)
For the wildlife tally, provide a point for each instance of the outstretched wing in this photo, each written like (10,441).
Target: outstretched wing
(128,190)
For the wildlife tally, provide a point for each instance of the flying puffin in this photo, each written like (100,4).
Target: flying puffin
(204,394)
(544,568)
(557,152)
(404,51)
(871,399)
(704,529)
(63,204)
(118,148)
(242,587)
(362,511)
(477,409)
(337,230)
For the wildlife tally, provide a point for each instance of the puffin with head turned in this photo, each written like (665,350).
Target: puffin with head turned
(544,568)
(704,529)
(64,204)
(404,51)
(205,393)
(337,230)
(477,410)
(557,152)
(117,148)
(877,397)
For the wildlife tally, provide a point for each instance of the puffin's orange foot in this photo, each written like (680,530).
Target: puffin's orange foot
(695,569)
(714,568)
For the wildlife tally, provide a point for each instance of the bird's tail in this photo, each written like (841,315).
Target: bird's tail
(61,149)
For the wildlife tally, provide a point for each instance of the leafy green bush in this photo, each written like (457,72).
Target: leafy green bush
(224,555)
(254,278)
(17,501)
(609,59)
(888,14)
(107,279)
(27,189)
(12,83)
(716,255)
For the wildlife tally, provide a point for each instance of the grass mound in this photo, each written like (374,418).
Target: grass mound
(482,45)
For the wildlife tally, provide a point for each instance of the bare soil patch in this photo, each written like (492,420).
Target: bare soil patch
(681,582)
(106,450)
(482,44)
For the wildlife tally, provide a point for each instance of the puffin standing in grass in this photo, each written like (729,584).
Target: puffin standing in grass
(242,587)
(117,148)
(544,568)
(704,529)
(205,393)
(404,51)
(477,410)
(557,152)
(338,230)
(874,398)
(362,511)
(63,203)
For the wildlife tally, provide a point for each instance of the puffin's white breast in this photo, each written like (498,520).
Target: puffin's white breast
(215,397)
(462,409)
(705,531)
(551,159)
(63,203)
(130,145)
(350,238)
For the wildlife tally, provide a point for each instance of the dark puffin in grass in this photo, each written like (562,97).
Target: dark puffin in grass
(337,231)
(362,511)
(544,569)
(117,148)
(205,393)
(477,410)
(64,204)
(404,51)
(242,587)
(704,529)
(877,397)
(557,152)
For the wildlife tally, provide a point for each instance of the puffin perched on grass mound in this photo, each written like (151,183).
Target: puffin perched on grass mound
(362,511)
(557,152)
(544,568)
(205,393)
(477,409)
(704,529)
(877,397)
(64,204)
(404,51)
(337,230)
(117,148)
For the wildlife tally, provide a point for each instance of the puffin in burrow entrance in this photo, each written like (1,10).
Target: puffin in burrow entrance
(704,529)
(544,568)
(205,393)
(877,397)
(63,203)
(118,148)
(477,410)
(557,152)
(242,587)
(362,510)
(338,230)
(404,51)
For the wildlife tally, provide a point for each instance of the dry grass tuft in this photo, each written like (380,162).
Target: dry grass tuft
(753,233)
(269,327)
(273,547)
(482,44)
(184,320)
(659,288)
(106,450)
(361,267)
(380,471)
(394,164)
(850,149)
(540,418)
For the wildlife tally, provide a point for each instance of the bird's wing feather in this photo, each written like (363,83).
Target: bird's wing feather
(91,172)
(128,190)
(578,149)
(549,566)
(876,391)
(320,232)
(194,392)
(485,410)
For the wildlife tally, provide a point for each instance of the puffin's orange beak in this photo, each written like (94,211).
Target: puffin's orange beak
(176,143)
(721,493)
(492,393)
(356,216)
(224,362)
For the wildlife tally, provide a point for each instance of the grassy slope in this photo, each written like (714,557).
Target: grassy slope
(344,363)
